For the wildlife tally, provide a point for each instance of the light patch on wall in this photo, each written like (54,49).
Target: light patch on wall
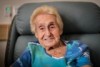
(8,11)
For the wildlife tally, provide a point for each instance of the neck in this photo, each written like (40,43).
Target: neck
(60,44)
(58,50)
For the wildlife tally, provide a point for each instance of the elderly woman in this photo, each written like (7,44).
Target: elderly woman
(51,50)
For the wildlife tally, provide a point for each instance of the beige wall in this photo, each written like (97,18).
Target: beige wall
(17,3)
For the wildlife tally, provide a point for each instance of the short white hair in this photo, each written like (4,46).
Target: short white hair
(45,9)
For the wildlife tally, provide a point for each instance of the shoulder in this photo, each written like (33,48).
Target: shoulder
(33,43)
(76,43)
(24,60)
(34,46)
(75,48)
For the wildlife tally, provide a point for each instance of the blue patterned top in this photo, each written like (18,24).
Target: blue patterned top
(77,55)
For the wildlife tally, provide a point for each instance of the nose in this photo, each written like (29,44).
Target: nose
(48,33)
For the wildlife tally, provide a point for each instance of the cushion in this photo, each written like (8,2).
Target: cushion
(78,17)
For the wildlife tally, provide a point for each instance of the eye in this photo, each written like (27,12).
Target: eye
(41,28)
(52,26)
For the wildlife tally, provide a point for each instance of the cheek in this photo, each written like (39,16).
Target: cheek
(56,33)
(39,35)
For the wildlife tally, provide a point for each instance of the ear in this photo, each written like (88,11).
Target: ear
(36,35)
(61,32)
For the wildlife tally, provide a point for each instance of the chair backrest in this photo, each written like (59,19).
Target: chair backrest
(81,21)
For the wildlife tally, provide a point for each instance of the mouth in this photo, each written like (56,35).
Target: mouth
(48,39)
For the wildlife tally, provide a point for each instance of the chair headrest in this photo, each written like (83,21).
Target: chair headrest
(78,17)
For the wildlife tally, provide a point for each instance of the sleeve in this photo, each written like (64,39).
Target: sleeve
(84,59)
(24,60)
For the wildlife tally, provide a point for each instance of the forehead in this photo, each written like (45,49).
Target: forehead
(45,17)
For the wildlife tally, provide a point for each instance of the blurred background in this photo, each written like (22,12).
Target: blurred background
(8,9)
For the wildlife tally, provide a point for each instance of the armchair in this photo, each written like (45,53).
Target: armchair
(81,21)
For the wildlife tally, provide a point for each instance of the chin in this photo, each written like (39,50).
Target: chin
(48,44)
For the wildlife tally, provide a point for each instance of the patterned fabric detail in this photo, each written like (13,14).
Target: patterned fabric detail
(24,60)
(77,55)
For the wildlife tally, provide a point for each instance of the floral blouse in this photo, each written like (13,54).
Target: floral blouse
(77,55)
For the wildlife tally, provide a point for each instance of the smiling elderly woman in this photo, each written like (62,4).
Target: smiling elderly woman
(51,51)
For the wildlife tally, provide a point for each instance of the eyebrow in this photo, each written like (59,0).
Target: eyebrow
(52,23)
(40,26)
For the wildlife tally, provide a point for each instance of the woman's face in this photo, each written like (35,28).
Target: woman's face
(47,30)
